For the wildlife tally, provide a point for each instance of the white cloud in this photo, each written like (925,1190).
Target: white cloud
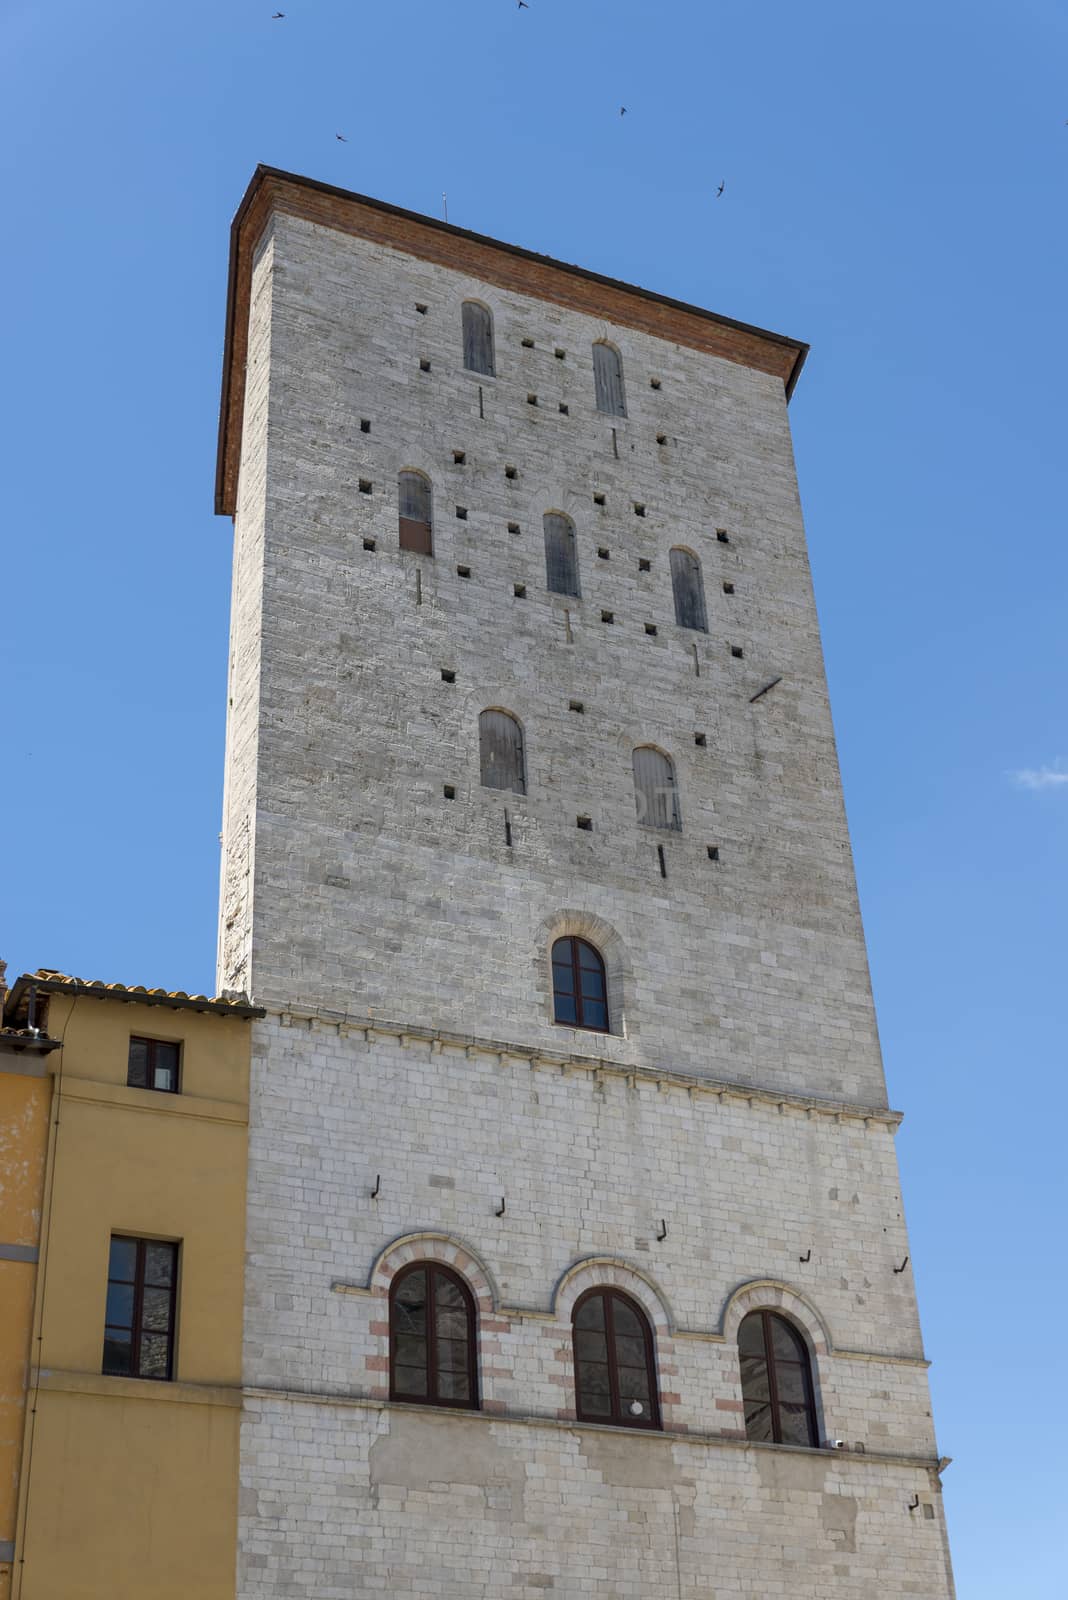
(1042,777)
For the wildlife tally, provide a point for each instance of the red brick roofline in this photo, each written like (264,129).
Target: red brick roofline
(506,265)
(47,981)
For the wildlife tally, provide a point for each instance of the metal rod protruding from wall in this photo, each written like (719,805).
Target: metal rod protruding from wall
(378,1185)
(807,1255)
(499,1210)
(903,1265)
(662,1234)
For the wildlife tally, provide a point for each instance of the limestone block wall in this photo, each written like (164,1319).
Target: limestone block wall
(369,888)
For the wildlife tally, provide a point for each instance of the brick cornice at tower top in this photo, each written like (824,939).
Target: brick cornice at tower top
(491,260)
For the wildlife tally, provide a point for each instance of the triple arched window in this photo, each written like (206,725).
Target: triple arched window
(688,589)
(432,1343)
(416,527)
(777,1390)
(478,338)
(608,379)
(615,1373)
(500,752)
(656,796)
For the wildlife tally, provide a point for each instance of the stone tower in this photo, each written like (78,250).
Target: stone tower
(528,727)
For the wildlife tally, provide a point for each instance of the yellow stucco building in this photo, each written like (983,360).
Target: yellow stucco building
(122,1233)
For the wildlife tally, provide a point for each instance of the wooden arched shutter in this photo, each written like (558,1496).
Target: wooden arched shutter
(689,590)
(500,752)
(561,554)
(655,795)
(608,380)
(478,338)
(413,493)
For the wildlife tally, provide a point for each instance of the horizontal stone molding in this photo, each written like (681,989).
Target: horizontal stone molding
(115,1388)
(650,1436)
(121,1097)
(18,1252)
(370,1028)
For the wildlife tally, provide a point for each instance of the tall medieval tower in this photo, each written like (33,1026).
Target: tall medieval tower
(577,1262)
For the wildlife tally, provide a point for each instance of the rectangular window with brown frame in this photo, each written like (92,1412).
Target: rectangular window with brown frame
(153,1064)
(140,1317)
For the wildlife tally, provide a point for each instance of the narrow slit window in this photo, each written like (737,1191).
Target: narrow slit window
(689,590)
(415,519)
(656,796)
(608,380)
(478,338)
(561,554)
(500,751)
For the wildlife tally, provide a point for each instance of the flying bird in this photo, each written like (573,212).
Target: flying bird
(278,16)
(341,138)
(721,188)
(522,4)
(622,111)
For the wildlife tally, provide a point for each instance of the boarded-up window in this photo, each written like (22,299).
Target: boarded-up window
(478,338)
(655,795)
(415,527)
(561,555)
(689,590)
(608,380)
(500,752)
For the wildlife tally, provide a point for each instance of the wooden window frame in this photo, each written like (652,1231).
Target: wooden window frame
(153,1045)
(415,535)
(519,749)
(569,533)
(136,1327)
(574,940)
(694,577)
(431,1398)
(619,1418)
(482,372)
(605,392)
(767,1320)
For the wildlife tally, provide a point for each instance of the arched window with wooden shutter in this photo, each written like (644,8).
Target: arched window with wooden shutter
(478,338)
(500,752)
(608,379)
(777,1390)
(561,554)
(689,590)
(656,796)
(432,1355)
(416,533)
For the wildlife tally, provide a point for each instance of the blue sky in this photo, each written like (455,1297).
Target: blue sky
(895,195)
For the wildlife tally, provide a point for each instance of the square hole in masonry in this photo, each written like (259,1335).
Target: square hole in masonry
(713,852)
(368,544)
(519,590)
(585,823)
(463,572)
(449,791)
(700,740)
(424,364)
(447,675)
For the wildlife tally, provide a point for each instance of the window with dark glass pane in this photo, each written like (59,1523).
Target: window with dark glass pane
(478,338)
(580,994)
(153,1064)
(615,1378)
(413,492)
(561,555)
(500,750)
(777,1390)
(688,589)
(139,1314)
(432,1337)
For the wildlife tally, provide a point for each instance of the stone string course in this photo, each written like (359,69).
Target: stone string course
(741,1103)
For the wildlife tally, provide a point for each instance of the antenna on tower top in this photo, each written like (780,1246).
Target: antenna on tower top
(444,206)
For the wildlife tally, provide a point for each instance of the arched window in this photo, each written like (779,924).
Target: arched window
(478,338)
(776,1381)
(580,994)
(561,556)
(615,1374)
(432,1337)
(608,379)
(500,752)
(689,590)
(415,523)
(655,794)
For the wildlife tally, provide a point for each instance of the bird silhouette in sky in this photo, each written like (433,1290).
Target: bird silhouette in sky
(721,188)
(622,111)
(340,137)
(522,4)
(278,16)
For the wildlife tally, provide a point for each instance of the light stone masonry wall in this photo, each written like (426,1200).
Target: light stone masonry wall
(401,945)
